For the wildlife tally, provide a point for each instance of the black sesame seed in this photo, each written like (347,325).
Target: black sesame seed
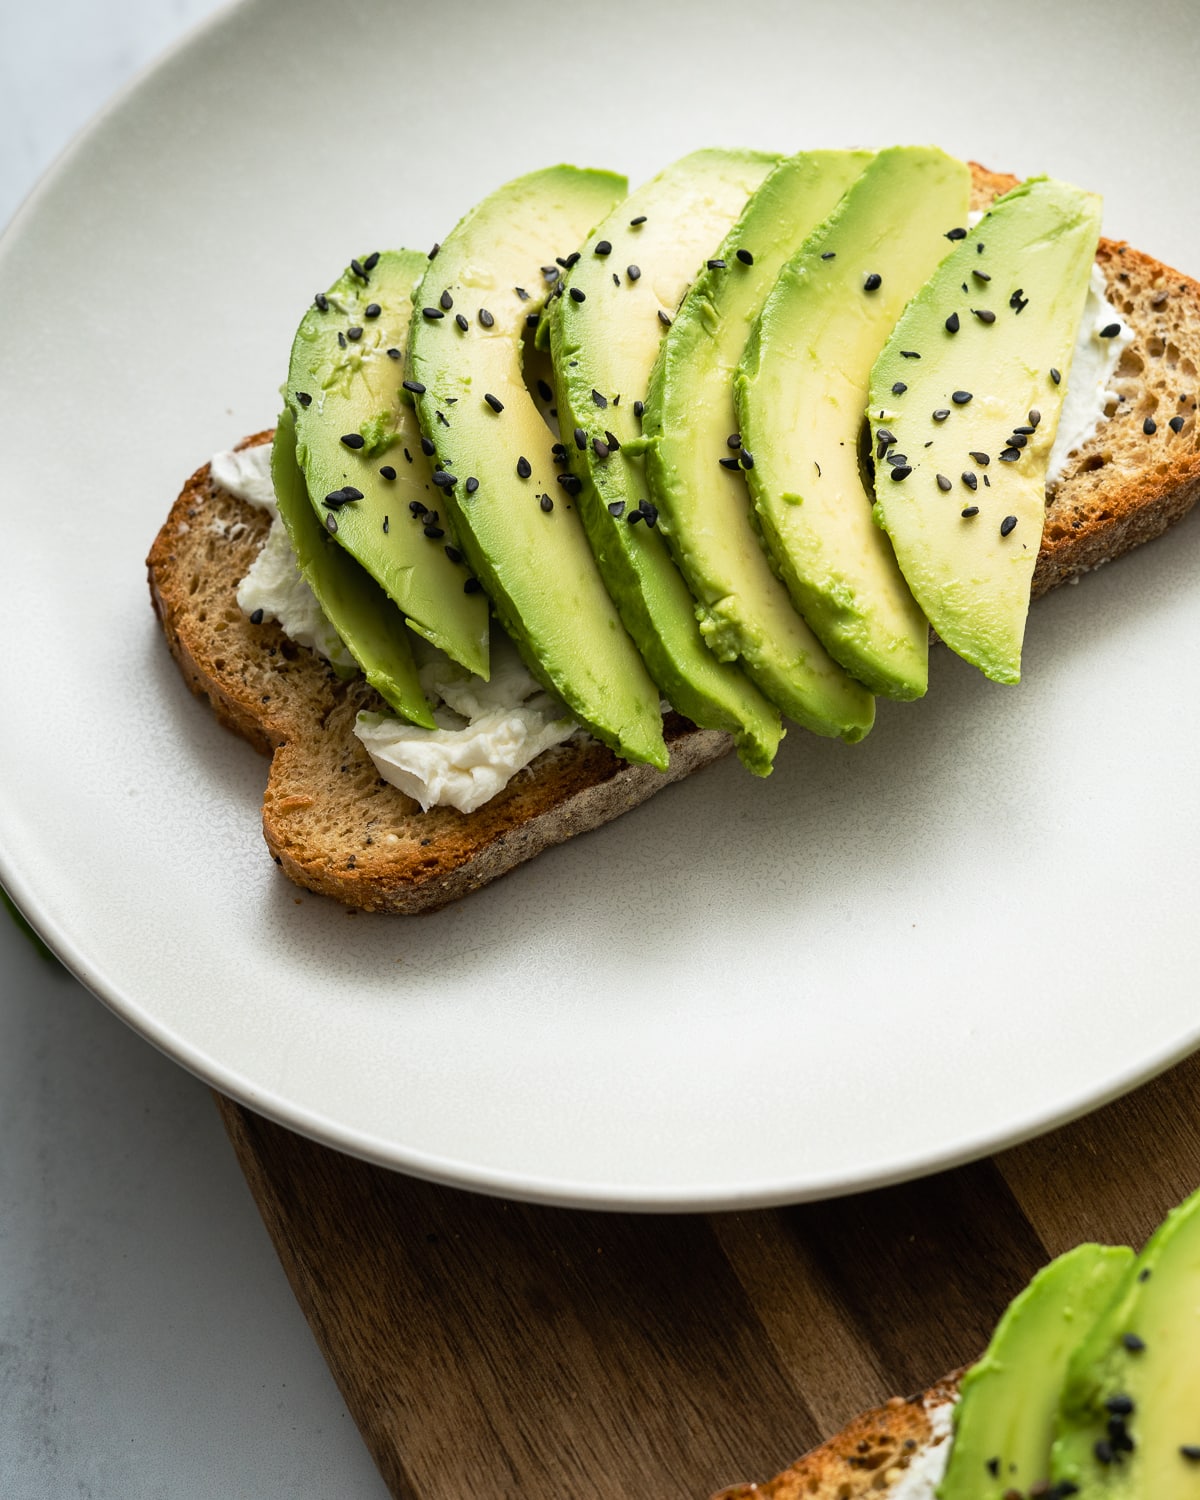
(734,440)
(600,448)
(616,279)
(444,481)
(663,318)
(980,458)
(331,524)
(578,294)
(461,321)
(1009,455)
(524,468)
(909,354)
(952,323)
(532,320)
(993,1467)
(546,503)
(427,447)
(872,282)
(446,301)
(452,553)
(1149,426)
(1110,330)
(1018,301)
(433,253)
(956,234)
(372,310)
(1055,375)
(943,483)
(1103,1451)
(899,388)
(715,265)
(641,219)
(414,386)
(544,391)
(257,617)
(829,255)
(650,511)
(570,483)
(1176,424)
(971,510)
(633,272)
(979,247)
(1119,1405)
(353,439)
(471,485)
(603,247)
(432,313)
(559,450)
(388,472)
(472,586)
(434,533)
(371,261)
(960,398)
(598,399)
(941,414)
(747,459)
(485,318)
(634,517)
(728,463)
(970,479)
(1190,1451)
(638,408)
(387,525)
(580,439)
(354,334)
(359,269)
(984,314)
(522,293)
(1133,1343)
(418,508)
(493,401)
(1035,416)
(884,437)
(305,400)
(1007,525)
(613,445)
(617,508)
(897,458)
(1017,440)
(980,275)
(1025,431)
(745,257)
(901,471)
(341,340)
(321,302)
(393,354)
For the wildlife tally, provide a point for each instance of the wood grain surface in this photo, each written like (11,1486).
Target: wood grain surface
(490,1349)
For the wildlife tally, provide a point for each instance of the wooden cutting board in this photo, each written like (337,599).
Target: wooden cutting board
(491,1349)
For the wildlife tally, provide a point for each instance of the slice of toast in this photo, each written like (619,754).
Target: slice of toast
(336,827)
(895,1444)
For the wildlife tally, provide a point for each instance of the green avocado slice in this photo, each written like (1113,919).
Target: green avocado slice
(977,413)
(690,426)
(1004,1421)
(606,321)
(1129,1419)
(495,465)
(802,394)
(354,429)
(355,605)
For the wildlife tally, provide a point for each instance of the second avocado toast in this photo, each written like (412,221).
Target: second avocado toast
(503,489)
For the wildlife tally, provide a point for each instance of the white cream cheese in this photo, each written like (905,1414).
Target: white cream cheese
(926,1469)
(1093,364)
(488,731)
(274,583)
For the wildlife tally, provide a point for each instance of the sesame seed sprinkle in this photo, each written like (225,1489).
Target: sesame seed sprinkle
(980,275)
(746,258)
(427,447)
(1009,455)
(638,408)
(617,508)
(728,463)
(1149,426)
(952,323)
(353,439)
(829,255)
(600,448)
(321,302)
(1035,416)
(960,398)
(485,318)
(387,471)
(522,293)
(956,234)
(359,269)
(306,400)
(524,468)
(544,391)
(257,617)
(472,586)
(580,439)
(493,401)
(331,524)
(578,294)
(899,388)
(941,414)
(444,481)
(641,219)
(715,265)
(1176,424)
(984,314)
(603,247)
(354,334)
(970,479)
(909,354)
(1110,330)
(980,458)
(664,319)
(546,503)
(1055,375)
(461,321)
(1006,526)
(471,485)
(432,313)
(446,301)
(394,354)
(734,440)
(970,510)
(600,401)
(901,471)
(872,282)
(613,445)
(943,483)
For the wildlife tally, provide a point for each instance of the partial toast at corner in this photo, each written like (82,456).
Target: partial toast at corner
(869,1456)
(336,828)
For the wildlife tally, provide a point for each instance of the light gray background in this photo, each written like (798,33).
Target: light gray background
(149,1343)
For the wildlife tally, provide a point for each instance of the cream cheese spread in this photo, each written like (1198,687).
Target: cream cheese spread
(926,1469)
(274,583)
(1093,365)
(488,731)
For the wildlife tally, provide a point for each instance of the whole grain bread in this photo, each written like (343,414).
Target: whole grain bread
(335,827)
(868,1456)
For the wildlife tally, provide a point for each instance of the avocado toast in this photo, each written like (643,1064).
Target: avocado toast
(336,827)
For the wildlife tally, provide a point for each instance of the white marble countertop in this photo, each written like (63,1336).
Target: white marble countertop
(149,1342)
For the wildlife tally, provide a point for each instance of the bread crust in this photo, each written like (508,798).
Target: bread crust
(866,1457)
(335,827)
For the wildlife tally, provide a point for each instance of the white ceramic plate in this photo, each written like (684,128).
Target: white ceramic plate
(883,960)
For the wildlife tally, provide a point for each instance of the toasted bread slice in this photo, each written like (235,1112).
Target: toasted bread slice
(870,1455)
(335,827)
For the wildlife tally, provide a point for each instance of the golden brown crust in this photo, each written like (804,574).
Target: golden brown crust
(865,1458)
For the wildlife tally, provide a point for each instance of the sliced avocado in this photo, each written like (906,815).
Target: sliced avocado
(692,452)
(976,414)
(518,526)
(607,319)
(801,397)
(1004,1421)
(359,446)
(357,608)
(1129,1419)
